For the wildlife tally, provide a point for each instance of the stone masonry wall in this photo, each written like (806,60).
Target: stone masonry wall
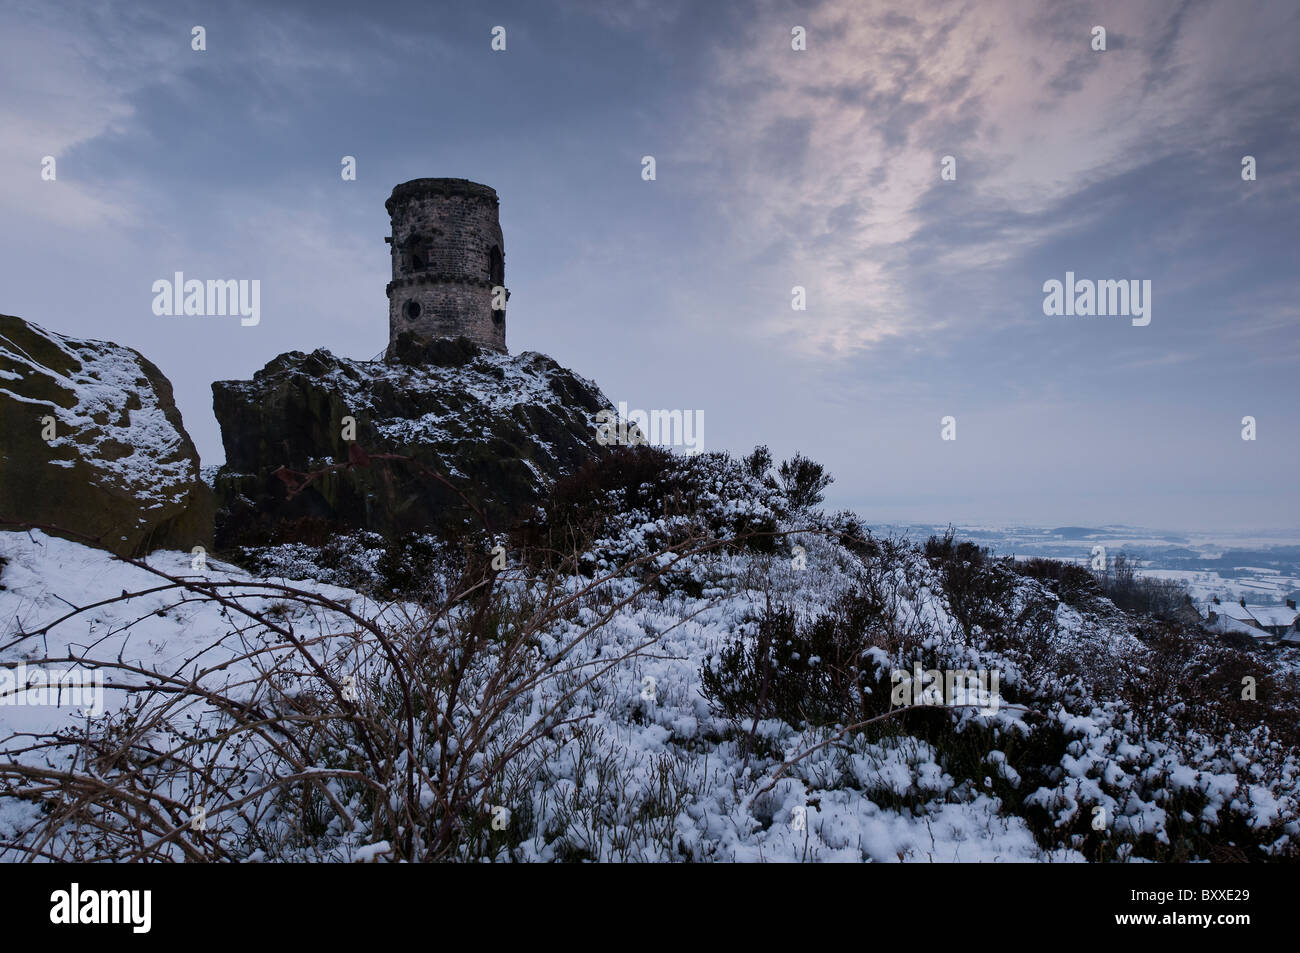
(444,232)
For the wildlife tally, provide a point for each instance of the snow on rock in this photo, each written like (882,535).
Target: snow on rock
(502,427)
(91,442)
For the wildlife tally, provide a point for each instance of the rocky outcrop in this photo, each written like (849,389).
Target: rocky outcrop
(92,445)
(499,428)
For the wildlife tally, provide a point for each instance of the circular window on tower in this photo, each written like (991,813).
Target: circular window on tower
(411,309)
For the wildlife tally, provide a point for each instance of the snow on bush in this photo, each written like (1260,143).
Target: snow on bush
(674,664)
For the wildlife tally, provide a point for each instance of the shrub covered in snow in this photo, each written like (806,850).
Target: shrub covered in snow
(660,664)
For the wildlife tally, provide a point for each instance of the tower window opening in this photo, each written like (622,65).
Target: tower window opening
(497,275)
(411,309)
(496,265)
(417,253)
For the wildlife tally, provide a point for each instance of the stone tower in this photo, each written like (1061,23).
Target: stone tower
(448,255)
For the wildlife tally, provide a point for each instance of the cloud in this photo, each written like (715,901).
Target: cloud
(833,154)
(639,16)
(77,75)
(70,83)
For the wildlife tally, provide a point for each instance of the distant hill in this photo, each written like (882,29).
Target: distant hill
(1075,532)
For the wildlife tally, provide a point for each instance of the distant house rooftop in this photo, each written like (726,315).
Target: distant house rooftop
(1233,610)
(1269,616)
(1262,622)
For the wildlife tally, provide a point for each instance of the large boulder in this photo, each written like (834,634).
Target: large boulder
(500,429)
(93,447)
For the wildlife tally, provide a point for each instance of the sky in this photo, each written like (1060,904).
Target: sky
(774,168)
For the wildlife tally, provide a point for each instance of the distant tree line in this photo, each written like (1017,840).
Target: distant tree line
(1121,584)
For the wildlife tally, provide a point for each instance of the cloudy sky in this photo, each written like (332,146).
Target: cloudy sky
(775,168)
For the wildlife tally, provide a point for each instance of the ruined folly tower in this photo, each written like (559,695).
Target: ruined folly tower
(448,257)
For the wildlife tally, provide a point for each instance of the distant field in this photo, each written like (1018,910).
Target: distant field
(1256,566)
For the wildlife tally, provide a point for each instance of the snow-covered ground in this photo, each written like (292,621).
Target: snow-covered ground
(45,575)
(639,766)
